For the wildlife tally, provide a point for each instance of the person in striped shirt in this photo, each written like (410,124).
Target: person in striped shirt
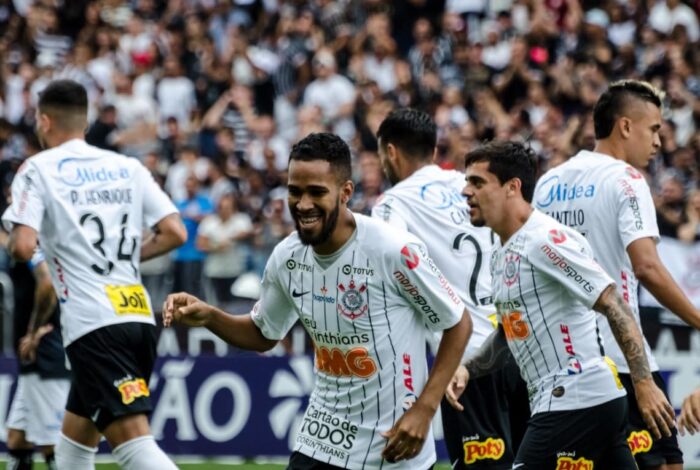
(547,288)
(368,295)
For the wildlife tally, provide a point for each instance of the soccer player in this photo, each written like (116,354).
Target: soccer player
(546,286)
(368,295)
(427,201)
(603,196)
(42,387)
(689,420)
(87,207)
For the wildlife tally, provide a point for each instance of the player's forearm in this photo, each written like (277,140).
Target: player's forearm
(169,234)
(239,331)
(493,355)
(449,353)
(626,332)
(44,306)
(658,281)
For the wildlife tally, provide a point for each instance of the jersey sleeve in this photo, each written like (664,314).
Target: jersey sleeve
(427,291)
(389,211)
(156,204)
(635,207)
(274,314)
(567,257)
(27,206)
(37,258)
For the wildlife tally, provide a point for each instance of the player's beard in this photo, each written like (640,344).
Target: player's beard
(390,173)
(328,224)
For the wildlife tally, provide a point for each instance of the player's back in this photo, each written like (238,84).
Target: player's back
(94,204)
(609,202)
(431,206)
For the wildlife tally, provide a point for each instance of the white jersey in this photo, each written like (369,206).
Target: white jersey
(545,284)
(89,207)
(429,204)
(368,314)
(610,203)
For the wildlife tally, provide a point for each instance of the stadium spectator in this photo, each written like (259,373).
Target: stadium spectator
(189,259)
(108,342)
(222,235)
(329,235)
(573,391)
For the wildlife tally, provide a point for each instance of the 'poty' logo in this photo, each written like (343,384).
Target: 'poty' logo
(640,441)
(557,236)
(410,257)
(491,448)
(567,463)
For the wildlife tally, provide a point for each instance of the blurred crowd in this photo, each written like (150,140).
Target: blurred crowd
(211,94)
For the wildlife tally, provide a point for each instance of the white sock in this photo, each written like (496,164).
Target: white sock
(71,455)
(142,453)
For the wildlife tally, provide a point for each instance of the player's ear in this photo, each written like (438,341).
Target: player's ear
(346,191)
(514,187)
(392,152)
(625,126)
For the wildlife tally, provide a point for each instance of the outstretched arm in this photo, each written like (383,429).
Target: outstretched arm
(237,330)
(657,412)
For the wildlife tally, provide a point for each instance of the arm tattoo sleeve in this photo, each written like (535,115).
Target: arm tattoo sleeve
(493,355)
(627,333)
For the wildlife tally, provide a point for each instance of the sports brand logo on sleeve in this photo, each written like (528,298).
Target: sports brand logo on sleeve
(557,236)
(409,257)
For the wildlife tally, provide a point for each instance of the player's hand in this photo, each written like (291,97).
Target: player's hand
(186,309)
(30,342)
(406,438)
(457,386)
(690,414)
(657,412)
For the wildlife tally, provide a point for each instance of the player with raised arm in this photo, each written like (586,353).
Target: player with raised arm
(546,288)
(87,207)
(368,295)
(602,195)
(35,416)
(426,201)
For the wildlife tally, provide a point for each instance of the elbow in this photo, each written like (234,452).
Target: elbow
(264,345)
(180,234)
(645,271)
(21,250)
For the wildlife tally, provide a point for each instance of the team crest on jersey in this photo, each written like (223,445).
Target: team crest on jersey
(557,236)
(409,257)
(511,272)
(352,304)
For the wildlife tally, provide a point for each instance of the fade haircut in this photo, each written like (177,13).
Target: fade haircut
(615,102)
(327,147)
(508,160)
(66,102)
(410,130)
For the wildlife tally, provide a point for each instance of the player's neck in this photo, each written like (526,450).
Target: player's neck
(342,233)
(409,167)
(610,147)
(61,138)
(514,220)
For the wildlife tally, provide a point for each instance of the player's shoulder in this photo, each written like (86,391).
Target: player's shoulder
(376,237)
(545,230)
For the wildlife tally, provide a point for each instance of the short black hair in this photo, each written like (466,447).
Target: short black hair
(64,94)
(508,160)
(411,130)
(327,147)
(614,101)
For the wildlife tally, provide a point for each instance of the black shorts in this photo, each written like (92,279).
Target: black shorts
(481,435)
(111,369)
(648,452)
(581,439)
(299,461)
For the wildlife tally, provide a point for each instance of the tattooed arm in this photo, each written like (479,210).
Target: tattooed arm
(658,414)
(492,355)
